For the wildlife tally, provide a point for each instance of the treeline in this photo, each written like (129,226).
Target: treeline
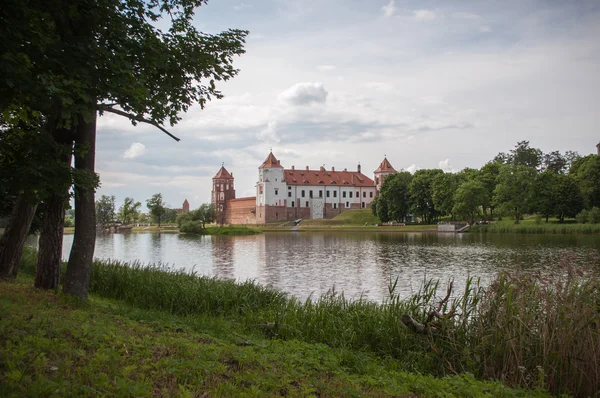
(522,181)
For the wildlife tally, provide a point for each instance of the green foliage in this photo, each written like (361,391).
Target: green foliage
(105,210)
(157,208)
(394,199)
(129,211)
(421,194)
(205,214)
(513,193)
(521,155)
(469,198)
(444,188)
(192,227)
(586,171)
(591,216)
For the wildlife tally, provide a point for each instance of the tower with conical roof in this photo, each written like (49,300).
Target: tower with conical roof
(222,192)
(384,170)
(270,189)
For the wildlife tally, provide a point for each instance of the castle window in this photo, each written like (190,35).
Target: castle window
(377,180)
(320,194)
(344,194)
(307,203)
(276,191)
(303,193)
(350,194)
(335,205)
(292,203)
(371,194)
(364,195)
(310,193)
(363,205)
(260,191)
(347,204)
(357,194)
(226,186)
(335,194)
(290,187)
(327,193)
(289,194)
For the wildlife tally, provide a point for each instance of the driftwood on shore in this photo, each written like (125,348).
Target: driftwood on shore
(428,326)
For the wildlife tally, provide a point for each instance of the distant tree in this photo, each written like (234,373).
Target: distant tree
(373,206)
(586,171)
(524,155)
(170,215)
(469,198)
(544,194)
(569,200)
(195,221)
(513,193)
(555,162)
(421,193)
(394,199)
(105,210)
(521,155)
(488,175)
(157,208)
(444,188)
(129,210)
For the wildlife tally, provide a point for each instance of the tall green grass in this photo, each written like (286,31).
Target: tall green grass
(523,329)
(538,228)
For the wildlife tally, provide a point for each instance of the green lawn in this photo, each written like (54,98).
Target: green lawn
(52,345)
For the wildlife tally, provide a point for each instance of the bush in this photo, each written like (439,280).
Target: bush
(591,216)
(192,227)
(582,216)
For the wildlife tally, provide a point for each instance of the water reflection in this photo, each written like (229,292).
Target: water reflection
(306,264)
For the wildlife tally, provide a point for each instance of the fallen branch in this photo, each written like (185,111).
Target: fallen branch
(427,326)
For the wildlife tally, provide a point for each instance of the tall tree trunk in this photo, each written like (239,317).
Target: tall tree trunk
(13,239)
(50,244)
(52,229)
(79,267)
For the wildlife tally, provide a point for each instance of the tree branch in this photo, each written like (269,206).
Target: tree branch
(137,119)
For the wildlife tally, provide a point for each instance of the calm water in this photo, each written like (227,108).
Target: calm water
(305,263)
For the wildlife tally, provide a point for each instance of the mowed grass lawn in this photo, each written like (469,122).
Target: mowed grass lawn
(53,345)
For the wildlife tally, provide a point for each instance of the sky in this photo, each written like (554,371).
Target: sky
(429,84)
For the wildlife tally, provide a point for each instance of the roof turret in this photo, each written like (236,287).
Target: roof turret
(271,162)
(385,167)
(223,174)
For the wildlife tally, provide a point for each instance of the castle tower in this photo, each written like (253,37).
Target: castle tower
(185,208)
(270,189)
(384,169)
(222,192)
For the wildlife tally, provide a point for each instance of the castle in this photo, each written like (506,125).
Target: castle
(291,194)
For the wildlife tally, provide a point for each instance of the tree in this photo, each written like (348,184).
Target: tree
(544,194)
(444,187)
(105,210)
(85,57)
(421,193)
(157,208)
(522,155)
(195,221)
(586,171)
(469,198)
(394,199)
(513,193)
(488,175)
(129,210)
(569,200)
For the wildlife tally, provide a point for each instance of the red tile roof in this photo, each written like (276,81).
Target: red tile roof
(223,174)
(271,162)
(327,177)
(385,166)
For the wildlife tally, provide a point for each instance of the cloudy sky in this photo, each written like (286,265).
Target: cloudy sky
(430,84)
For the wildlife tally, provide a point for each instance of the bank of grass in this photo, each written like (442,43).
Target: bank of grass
(232,230)
(531,225)
(524,330)
(54,346)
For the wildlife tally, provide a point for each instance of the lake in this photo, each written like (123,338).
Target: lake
(355,263)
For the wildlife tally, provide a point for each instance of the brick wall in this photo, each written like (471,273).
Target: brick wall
(241,211)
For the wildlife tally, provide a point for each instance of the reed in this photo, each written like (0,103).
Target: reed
(523,329)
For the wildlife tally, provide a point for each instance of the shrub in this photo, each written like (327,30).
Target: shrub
(594,215)
(192,227)
(582,216)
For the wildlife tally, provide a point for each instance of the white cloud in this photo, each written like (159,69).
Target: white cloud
(465,15)
(135,150)
(424,15)
(269,135)
(389,9)
(446,166)
(305,93)
(325,68)
(412,168)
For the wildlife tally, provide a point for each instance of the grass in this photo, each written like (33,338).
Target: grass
(357,217)
(231,230)
(531,225)
(53,345)
(525,330)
